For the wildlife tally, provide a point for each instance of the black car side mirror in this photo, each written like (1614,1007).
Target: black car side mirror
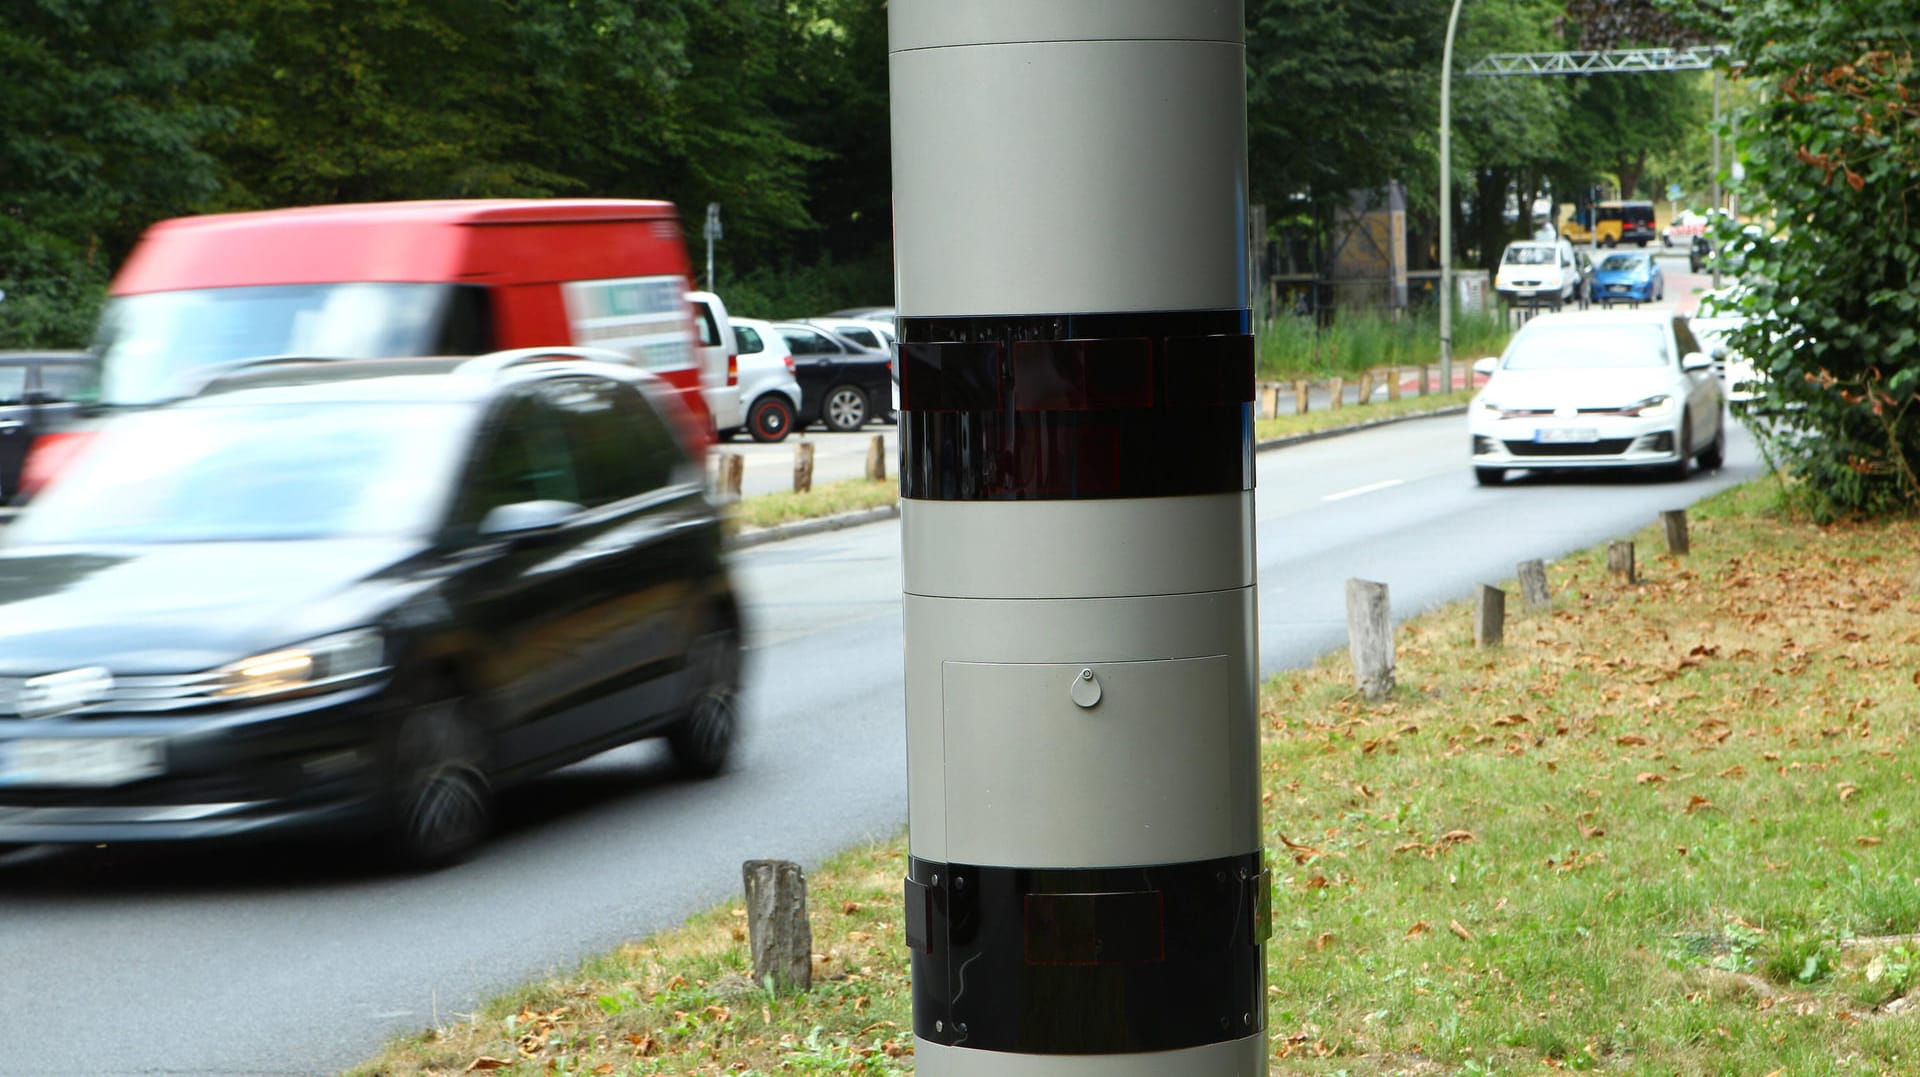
(524,519)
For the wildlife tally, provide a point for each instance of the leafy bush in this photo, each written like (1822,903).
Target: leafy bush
(1831,289)
(790,291)
(1294,347)
(53,292)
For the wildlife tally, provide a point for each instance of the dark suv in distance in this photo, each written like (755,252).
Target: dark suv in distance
(360,593)
(39,391)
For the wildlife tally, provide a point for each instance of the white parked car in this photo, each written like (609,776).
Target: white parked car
(767,385)
(1599,390)
(1537,271)
(719,380)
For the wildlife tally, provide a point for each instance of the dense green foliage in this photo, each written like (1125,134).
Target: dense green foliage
(1832,284)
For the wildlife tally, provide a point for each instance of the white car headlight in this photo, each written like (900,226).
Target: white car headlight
(324,661)
(1653,407)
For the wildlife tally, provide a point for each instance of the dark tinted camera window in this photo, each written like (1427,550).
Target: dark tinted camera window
(620,447)
(467,326)
(748,340)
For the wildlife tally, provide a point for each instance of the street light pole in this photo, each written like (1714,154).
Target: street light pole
(1446,203)
(1717,205)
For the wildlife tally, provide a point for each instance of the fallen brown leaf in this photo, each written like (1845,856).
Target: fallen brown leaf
(1418,929)
(1867,842)
(1460,930)
(1848,791)
(1631,741)
(1647,777)
(487,1062)
(1698,802)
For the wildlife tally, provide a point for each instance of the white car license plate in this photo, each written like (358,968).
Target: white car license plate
(1557,435)
(88,762)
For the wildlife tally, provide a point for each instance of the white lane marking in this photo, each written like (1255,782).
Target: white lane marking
(1367,489)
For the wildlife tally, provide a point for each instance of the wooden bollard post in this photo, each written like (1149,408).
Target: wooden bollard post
(1370,638)
(778,933)
(1533,585)
(733,468)
(1393,383)
(1300,397)
(1366,386)
(1489,616)
(803,467)
(1336,391)
(1620,560)
(1270,401)
(1675,523)
(877,458)
(1423,379)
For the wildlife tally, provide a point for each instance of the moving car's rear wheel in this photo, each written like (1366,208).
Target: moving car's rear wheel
(770,419)
(1489,476)
(845,409)
(441,806)
(702,740)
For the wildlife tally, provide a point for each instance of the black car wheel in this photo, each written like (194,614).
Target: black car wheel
(442,808)
(1681,468)
(1715,454)
(845,409)
(770,419)
(702,740)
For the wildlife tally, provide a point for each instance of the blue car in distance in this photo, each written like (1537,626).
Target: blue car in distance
(1628,277)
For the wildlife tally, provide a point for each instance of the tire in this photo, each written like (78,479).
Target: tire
(844,409)
(1489,476)
(770,419)
(1715,454)
(704,737)
(1681,468)
(441,809)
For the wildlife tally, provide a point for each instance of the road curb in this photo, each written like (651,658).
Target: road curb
(760,536)
(1336,431)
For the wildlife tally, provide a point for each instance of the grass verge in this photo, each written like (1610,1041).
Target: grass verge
(1324,419)
(826,499)
(1666,829)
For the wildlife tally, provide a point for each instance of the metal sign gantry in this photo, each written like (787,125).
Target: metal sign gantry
(1611,61)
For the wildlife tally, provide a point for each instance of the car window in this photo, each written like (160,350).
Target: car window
(808,342)
(13,384)
(521,457)
(863,337)
(620,447)
(1529,256)
(1618,263)
(466,326)
(1588,347)
(748,339)
(703,320)
(1683,336)
(66,383)
(236,471)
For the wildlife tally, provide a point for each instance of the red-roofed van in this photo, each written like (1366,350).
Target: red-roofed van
(199,294)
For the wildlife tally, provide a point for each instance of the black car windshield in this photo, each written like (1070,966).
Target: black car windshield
(1530,256)
(1623,263)
(1588,347)
(254,472)
(159,346)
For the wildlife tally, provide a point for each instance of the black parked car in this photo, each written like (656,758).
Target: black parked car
(841,384)
(39,391)
(359,593)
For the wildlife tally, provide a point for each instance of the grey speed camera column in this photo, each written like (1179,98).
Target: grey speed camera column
(1086,892)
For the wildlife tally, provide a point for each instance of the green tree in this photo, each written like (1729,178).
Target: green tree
(101,131)
(1831,287)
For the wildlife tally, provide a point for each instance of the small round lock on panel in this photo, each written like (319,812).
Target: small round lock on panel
(1086,688)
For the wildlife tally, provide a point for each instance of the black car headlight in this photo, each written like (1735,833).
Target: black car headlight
(325,662)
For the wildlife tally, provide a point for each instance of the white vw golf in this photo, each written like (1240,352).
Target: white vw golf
(1599,389)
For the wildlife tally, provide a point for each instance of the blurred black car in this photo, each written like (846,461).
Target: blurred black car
(842,385)
(39,392)
(359,593)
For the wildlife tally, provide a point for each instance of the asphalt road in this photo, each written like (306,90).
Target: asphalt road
(301,960)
